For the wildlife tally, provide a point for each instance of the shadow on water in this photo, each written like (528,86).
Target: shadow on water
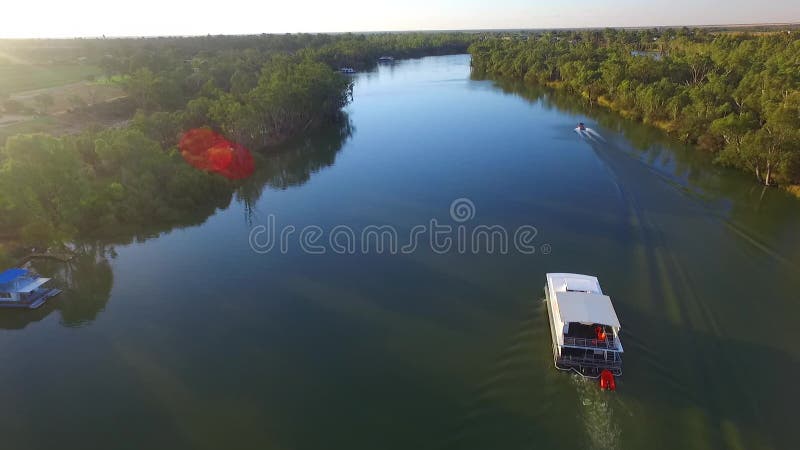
(731,392)
(451,368)
(479,358)
(87,280)
(293,163)
(718,391)
(715,256)
(715,365)
(765,216)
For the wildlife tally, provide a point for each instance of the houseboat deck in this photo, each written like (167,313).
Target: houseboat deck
(589,363)
(34,302)
(580,335)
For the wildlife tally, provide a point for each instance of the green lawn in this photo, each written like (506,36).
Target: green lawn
(22,77)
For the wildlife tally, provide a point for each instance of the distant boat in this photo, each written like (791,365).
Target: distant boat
(22,288)
(588,133)
(583,326)
(348,70)
(386,59)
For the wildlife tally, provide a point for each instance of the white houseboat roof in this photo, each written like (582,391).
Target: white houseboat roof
(27,288)
(586,308)
(573,282)
(579,298)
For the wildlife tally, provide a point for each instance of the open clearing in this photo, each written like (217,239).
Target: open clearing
(25,77)
(105,105)
(115,113)
(91,93)
(63,82)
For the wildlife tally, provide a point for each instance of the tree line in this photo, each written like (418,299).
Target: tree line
(734,94)
(256,90)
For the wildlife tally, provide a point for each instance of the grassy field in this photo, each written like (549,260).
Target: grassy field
(24,77)
(89,92)
(62,83)
(36,125)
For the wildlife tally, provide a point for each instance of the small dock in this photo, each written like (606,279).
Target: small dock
(58,256)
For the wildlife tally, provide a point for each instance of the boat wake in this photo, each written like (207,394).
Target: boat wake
(597,415)
(505,402)
(590,134)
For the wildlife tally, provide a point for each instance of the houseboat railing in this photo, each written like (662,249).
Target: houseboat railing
(608,344)
(588,361)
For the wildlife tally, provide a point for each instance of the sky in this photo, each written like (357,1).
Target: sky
(73,18)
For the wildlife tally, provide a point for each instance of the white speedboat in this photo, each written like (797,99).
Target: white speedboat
(583,325)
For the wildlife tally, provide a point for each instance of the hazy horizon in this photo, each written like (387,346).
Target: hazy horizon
(91,18)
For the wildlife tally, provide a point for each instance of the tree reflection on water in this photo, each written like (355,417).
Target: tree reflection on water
(88,278)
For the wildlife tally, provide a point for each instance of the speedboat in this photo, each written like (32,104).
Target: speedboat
(588,133)
(583,326)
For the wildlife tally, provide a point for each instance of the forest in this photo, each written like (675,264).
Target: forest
(736,95)
(258,91)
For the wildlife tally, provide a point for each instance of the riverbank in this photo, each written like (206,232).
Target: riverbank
(609,104)
(793,189)
(669,128)
(688,83)
(132,177)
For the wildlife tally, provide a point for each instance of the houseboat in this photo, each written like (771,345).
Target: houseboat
(22,288)
(583,326)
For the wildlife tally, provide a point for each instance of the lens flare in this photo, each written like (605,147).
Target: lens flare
(220,157)
(208,150)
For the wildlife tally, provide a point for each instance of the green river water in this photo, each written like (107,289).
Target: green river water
(192,339)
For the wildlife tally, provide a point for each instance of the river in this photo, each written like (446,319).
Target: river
(207,337)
